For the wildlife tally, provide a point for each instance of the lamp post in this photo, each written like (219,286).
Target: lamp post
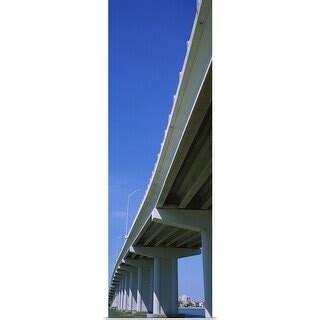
(129,196)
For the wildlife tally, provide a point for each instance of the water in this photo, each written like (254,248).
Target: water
(194,312)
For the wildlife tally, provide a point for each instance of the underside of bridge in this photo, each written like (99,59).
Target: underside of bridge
(189,182)
(175,219)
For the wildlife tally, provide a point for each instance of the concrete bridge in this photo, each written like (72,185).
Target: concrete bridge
(175,217)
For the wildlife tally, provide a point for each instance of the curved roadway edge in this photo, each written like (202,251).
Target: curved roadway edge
(197,62)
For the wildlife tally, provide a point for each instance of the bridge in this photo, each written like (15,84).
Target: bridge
(175,217)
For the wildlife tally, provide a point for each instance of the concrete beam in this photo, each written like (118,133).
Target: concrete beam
(120,271)
(153,252)
(200,108)
(194,220)
(187,240)
(153,235)
(166,236)
(128,268)
(138,263)
(193,243)
(196,185)
(182,235)
(207,204)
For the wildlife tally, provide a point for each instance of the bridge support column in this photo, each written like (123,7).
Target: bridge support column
(126,292)
(122,294)
(146,288)
(115,300)
(118,299)
(206,239)
(165,277)
(139,288)
(134,290)
(165,282)
(144,283)
(131,287)
(119,295)
(121,288)
(130,291)
(199,221)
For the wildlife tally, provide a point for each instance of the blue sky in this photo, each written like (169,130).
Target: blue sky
(147,45)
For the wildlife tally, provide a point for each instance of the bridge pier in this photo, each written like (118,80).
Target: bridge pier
(139,285)
(165,277)
(123,292)
(118,300)
(144,284)
(117,297)
(194,220)
(126,284)
(114,299)
(206,239)
(121,288)
(130,291)
(120,295)
(165,282)
(131,287)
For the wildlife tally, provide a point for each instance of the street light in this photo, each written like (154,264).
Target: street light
(129,196)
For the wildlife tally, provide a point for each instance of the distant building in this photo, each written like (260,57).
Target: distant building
(185,301)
